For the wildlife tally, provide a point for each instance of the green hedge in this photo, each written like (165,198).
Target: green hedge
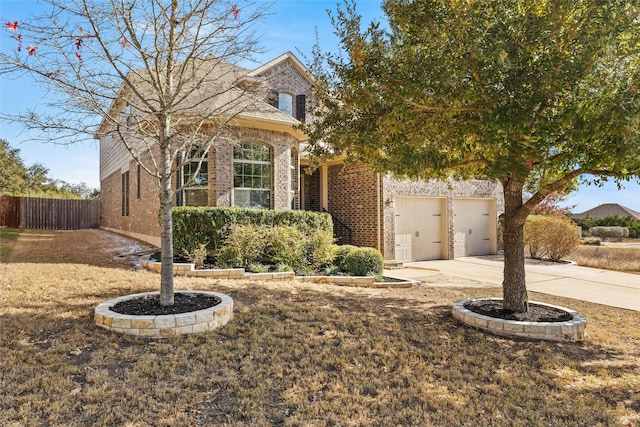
(211,226)
(612,232)
(612,221)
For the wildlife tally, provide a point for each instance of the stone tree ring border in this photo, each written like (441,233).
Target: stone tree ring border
(569,331)
(165,325)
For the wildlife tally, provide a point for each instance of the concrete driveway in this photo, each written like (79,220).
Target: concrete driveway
(566,280)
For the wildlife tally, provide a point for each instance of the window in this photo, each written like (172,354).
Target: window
(127,113)
(125,194)
(195,178)
(252,175)
(139,185)
(285,103)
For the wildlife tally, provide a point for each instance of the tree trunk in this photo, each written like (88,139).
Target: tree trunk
(166,242)
(514,288)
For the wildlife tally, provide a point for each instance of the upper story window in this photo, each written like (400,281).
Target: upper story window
(293,106)
(252,167)
(285,103)
(195,178)
(127,114)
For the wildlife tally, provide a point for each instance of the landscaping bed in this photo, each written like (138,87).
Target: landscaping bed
(190,270)
(150,304)
(536,313)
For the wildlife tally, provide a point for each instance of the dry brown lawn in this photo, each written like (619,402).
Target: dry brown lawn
(607,258)
(294,355)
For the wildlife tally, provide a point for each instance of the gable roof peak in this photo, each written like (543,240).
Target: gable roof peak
(287,56)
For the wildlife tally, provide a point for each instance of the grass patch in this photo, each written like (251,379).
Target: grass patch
(294,354)
(7,236)
(607,258)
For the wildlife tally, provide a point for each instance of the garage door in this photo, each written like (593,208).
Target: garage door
(419,228)
(474,225)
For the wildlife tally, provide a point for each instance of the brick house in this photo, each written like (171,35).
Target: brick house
(264,166)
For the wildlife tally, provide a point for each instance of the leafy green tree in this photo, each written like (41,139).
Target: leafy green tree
(14,177)
(39,178)
(534,93)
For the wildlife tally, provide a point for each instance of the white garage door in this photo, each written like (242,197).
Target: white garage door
(474,225)
(419,228)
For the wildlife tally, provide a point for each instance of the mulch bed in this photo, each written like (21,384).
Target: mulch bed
(150,305)
(536,313)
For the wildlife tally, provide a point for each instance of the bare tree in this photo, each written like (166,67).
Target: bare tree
(156,77)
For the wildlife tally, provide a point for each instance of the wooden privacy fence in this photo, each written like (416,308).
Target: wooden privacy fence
(10,211)
(51,214)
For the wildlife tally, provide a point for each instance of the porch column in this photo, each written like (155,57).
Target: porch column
(324,187)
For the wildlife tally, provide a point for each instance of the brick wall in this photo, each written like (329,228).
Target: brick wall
(221,176)
(142,217)
(353,200)
(143,211)
(311,190)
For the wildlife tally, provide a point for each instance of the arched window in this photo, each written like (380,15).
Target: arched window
(252,175)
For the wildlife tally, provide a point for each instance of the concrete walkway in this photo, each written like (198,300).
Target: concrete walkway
(566,280)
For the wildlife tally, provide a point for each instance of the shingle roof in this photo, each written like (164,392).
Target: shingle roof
(213,88)
(608,209)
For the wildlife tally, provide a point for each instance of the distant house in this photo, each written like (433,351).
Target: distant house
(608,209)
(265,166)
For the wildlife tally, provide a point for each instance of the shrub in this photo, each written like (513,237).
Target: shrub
(283,268)
(256,268)
(339,254)
(364,261)
(280,245)
(614,221)
(550,237)
(592,241)
(285,245)
(319,249)
(197,255)
(243,246)
(615,232)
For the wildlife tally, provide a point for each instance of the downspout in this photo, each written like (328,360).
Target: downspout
(378,209)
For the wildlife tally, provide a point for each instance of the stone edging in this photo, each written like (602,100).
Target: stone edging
(189,270)
(166,325)
(571,330)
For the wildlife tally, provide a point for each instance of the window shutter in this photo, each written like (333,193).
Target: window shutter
(272,98)
(300,107)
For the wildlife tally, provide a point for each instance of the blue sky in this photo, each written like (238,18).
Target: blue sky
(290,27)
